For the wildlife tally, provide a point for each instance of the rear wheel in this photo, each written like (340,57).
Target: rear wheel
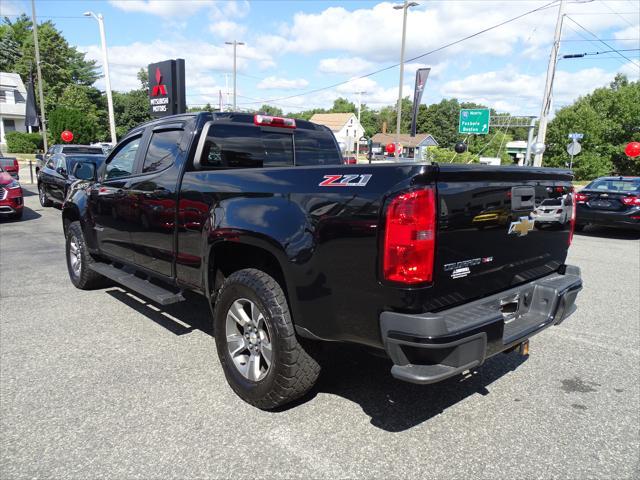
(17,215)
(79,260)
(44,200)
(262,359)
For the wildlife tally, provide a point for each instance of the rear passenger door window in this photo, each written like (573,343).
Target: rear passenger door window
(163,150)
(316,148)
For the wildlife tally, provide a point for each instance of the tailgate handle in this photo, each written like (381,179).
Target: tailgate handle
(523,198)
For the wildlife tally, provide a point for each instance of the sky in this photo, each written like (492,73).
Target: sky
(303,54)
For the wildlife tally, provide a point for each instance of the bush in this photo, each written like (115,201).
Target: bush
(22,142)
(82,126)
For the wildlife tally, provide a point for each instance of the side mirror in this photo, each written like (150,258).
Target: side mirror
(85,171)
(61,171)
(39,156)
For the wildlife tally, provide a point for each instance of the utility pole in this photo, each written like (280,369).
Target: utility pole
(405,6)
(360,103)
(107,79)
(548,89)
(39,72)
(527,157)
(235,44)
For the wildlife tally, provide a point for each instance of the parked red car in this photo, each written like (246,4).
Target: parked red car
(11,202)
(11,166)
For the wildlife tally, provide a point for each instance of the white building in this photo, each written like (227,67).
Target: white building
(345,127)
(13,97)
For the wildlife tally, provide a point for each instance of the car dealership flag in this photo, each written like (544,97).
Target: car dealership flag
(31,115)
(421,80)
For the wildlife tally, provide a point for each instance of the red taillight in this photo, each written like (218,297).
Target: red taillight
(631,201)
(16,165)
(350,161)
(269,121)
(410,237)
(559,210)
(572,223)
(581,198)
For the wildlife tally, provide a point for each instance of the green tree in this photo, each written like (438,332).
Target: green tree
(63,118)
(270,110)
(342,105)
(608,118)
(9,52)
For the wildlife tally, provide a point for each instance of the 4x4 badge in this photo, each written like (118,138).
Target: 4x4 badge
(521,227)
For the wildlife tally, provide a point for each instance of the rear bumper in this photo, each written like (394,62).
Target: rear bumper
(613,219)
(431,347)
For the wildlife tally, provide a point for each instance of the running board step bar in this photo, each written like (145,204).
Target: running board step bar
(145,288)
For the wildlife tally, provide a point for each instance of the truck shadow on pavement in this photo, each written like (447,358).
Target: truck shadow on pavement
(393,405)
(348,371)
(27,214)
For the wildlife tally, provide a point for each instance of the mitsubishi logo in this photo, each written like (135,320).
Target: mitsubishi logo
(158,89)
(521,227)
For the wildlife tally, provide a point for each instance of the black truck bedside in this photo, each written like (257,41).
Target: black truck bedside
(437,266)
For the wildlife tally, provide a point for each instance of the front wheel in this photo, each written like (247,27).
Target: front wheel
(257,346)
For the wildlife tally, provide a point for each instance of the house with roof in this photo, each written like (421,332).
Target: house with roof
(13,95)
(412,147)
(345,128)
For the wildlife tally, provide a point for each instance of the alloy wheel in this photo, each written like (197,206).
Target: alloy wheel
(248,339)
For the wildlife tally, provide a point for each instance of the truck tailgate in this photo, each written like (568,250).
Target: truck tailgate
(487,238)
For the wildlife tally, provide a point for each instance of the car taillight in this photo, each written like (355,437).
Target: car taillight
(16,165)
(559,210)
(269,121)
(581,198)
(410,237)
(631,201)
(572,223)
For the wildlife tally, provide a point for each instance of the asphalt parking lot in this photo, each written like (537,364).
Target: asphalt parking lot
(102,385)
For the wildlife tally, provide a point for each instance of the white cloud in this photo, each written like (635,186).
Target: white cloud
(273,83)
(345,65)
(218,10)
(227,29)
(507,90)
(204,62)
(12,7)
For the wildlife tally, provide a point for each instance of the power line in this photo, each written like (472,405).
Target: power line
(618,58)
(620,14)
(450,44)
(603,42)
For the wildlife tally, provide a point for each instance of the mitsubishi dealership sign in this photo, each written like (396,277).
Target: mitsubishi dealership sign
(166,88)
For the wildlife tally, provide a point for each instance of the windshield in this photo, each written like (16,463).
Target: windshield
(630,185)
(74,160)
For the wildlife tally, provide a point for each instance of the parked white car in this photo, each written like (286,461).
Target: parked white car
(552,211)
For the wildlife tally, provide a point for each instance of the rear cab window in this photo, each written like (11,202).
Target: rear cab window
(243,145)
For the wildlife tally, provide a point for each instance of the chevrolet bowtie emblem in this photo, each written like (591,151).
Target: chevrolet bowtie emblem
(521,227)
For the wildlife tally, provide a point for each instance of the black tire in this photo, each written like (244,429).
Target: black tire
(17,215)
(42,195)
(84,278)
(292,371)
(579,227)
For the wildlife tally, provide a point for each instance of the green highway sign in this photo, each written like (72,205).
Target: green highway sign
(474,121)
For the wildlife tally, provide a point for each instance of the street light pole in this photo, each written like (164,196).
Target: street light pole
(39,73)
(405,6)
(360,103)
(548,88)
(107,79)
(235,46)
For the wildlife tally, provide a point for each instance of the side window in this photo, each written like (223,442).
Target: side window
(163,150)
(51,163)
(315,147)
(240,146)
(61,163)
(122,163)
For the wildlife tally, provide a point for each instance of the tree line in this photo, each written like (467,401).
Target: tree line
(609,117)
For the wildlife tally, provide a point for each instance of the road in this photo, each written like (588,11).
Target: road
(104,385)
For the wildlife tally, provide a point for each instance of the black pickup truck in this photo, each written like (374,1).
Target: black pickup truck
(436,266)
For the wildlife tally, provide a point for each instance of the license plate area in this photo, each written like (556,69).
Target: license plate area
(600,204)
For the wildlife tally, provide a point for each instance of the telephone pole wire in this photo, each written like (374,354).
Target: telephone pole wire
(548,88)
(39,72)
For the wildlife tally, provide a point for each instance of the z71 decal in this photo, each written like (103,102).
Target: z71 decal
(345,180)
